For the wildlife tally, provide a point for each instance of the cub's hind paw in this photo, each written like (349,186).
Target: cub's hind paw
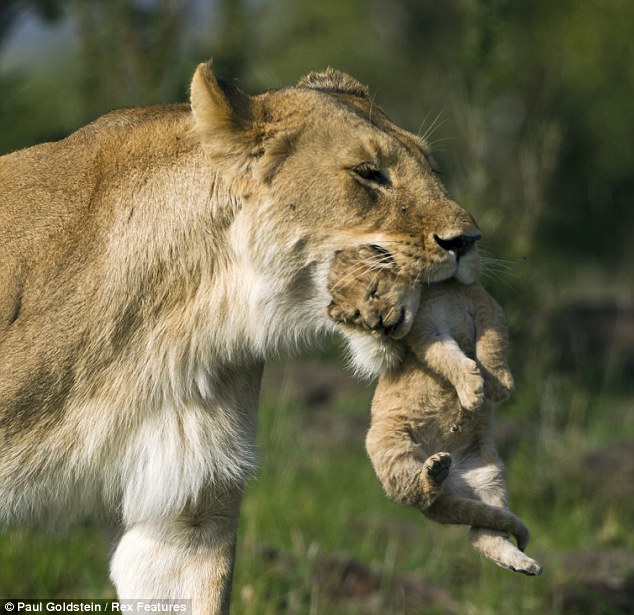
(437,467)
(520,562)
(496,546)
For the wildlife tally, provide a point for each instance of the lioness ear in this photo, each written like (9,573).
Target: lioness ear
(222,121)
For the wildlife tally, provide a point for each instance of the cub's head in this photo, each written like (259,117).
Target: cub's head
(317,168)
(367,290)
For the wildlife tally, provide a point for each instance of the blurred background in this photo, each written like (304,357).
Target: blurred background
(528,106)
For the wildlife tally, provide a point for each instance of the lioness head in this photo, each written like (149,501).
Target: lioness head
(320,168)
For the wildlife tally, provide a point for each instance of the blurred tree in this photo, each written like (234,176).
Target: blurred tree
(591,214)
(132,52)
(11,10)
(297,36)
(14,111)
(232,46)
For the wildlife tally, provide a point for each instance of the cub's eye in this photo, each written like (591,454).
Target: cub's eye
(369,173)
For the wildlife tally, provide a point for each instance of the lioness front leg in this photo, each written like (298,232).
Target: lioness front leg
(189,557)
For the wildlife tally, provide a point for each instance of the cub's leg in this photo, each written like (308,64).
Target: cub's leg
(442,354)
(496,546)
(487,482)
(188,557)
(491,349)
(432,477)
(407,476)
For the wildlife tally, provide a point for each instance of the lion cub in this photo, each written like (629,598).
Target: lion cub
(430,439)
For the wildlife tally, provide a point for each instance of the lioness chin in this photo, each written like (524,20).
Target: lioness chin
(149,265)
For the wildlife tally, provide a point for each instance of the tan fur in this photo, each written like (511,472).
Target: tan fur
(150,263)
(430,439)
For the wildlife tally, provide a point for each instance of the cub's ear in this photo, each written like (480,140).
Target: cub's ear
(222,121)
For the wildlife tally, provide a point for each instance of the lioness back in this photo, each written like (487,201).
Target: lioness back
(69,238)
(51,201)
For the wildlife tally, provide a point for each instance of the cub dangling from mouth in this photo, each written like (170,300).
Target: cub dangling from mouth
(430,439)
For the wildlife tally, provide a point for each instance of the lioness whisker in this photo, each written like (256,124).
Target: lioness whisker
(492,275)
(435,125)
(484,251)
(432,144)
(493,264)
(420,128)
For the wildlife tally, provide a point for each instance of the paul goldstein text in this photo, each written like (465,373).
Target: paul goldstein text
(102,606)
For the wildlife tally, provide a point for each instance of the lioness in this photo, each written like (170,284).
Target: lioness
(430,438)
(150,263)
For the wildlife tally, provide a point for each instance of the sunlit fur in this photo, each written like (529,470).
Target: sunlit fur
(150,263)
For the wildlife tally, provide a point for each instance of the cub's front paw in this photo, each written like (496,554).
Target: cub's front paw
(499,386)
(377,318)
(367,291)
(470,387)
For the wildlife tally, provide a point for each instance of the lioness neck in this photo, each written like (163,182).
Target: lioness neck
(150,303)
(188,233)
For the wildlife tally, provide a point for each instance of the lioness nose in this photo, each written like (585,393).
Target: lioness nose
(460,244)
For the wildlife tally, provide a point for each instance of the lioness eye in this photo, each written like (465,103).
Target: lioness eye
(370,173)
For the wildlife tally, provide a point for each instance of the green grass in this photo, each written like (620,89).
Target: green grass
(316,500)
(42,565)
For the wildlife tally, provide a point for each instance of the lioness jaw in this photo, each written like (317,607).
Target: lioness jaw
(150,263)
